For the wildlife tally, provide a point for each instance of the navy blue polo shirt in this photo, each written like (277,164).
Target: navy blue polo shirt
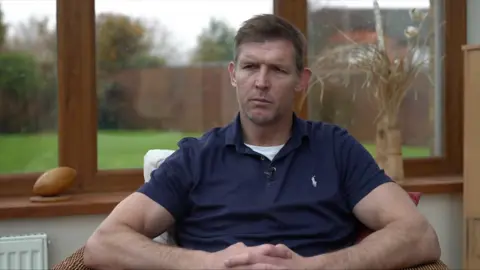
(221,192)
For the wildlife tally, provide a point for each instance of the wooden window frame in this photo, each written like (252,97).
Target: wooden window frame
(77,107)
(451,162)
(77,102)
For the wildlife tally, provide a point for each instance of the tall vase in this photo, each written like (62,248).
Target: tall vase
(389,154)
(381,142)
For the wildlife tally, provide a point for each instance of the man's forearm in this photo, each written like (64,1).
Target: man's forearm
(126,249)
(394,247)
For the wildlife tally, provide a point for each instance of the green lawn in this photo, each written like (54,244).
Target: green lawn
(117,149)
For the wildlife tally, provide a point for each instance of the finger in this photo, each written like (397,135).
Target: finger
(251,258)
(284,248)
(240,259)
(281,246)
(259,266)
(280,251)
(239,244)
(265,266)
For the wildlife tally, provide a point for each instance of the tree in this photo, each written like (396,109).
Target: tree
(3,29)
(215,43)
(126,42)
(119,39)
(28,79)
(34,37)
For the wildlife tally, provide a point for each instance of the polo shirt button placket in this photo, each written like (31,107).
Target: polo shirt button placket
(270,174)
(272,185)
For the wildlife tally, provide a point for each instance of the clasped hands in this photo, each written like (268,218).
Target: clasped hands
(239,256)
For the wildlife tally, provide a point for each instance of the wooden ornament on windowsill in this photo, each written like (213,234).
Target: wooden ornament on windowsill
(52,184)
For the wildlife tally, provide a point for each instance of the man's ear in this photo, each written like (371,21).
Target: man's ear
(231,71)
(305,76)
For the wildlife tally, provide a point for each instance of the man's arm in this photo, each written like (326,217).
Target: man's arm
(403,237)
(123,240)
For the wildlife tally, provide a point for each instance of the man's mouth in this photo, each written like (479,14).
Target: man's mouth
(260,100)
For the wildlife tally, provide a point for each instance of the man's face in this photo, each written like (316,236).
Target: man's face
(266,80)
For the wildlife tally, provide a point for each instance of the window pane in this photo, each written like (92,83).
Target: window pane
(28,86)
(346,101)
(162,72)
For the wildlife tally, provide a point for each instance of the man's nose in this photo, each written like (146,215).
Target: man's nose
(262,80)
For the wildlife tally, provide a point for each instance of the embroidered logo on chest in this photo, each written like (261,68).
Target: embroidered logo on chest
(314,182)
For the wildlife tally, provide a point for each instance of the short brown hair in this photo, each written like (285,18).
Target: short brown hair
(266,27)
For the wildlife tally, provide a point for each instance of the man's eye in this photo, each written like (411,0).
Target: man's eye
(279,70)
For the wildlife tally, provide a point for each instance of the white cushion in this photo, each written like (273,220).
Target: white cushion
(152,160)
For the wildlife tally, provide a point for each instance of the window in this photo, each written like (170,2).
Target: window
(28,87)
(346,101)
(337,25)
(161,77)
(101,83)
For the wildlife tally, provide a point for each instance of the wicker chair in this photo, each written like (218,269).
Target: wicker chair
(75,262)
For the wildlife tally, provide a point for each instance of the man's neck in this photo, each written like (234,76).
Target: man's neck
(271,135)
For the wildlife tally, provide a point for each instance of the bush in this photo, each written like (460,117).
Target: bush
(110,98)
(19,74)
(20,82)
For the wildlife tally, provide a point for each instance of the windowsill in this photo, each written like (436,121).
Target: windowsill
(78,204)
(434,185)
(103,203)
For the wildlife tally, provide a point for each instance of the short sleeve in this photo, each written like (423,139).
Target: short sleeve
(360,172)
(170,183)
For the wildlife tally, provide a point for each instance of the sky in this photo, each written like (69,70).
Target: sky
(185,19)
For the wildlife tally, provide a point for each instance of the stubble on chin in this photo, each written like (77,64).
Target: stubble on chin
(261,120)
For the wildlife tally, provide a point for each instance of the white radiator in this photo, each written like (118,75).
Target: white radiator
(24,252)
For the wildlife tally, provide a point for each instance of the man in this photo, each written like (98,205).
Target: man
(268,191)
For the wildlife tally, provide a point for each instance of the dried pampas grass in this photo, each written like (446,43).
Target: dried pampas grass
(388,77)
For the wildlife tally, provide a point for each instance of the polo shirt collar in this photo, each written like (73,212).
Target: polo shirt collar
(234,132)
